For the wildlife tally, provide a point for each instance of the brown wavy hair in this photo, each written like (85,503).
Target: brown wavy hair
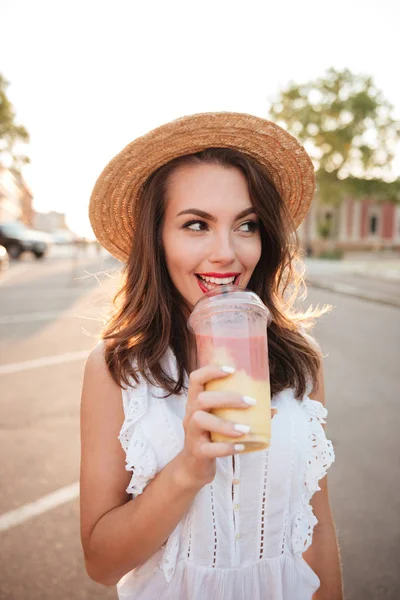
(150,317)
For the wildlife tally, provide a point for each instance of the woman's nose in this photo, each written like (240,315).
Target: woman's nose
(222,250)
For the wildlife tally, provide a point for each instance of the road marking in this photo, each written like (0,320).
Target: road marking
(44,316)
(28,317)
(45,361)
(40,506)
(44,293)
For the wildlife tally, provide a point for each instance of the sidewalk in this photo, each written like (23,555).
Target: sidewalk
(375,265)
(372,278)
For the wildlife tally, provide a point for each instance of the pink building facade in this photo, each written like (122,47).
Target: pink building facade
(368,224)
(357,224)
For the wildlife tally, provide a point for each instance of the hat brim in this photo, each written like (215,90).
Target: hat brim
(111,209)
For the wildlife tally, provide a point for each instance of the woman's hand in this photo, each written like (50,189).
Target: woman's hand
(199,454)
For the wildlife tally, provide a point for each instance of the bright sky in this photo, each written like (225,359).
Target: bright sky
(88,76)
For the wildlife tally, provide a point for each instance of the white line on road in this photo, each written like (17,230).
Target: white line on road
(28,511)
(43,316)
(28,317)
(45,293)
(45,361)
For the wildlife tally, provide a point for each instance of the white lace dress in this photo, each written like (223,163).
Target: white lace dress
(244,535)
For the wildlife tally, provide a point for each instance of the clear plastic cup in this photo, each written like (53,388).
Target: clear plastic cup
(230,324)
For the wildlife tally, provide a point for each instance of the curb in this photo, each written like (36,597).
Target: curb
(350,290)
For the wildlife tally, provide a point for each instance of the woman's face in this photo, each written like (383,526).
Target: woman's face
(211,232)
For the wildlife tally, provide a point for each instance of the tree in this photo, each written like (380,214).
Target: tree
(346,125)
(10,133)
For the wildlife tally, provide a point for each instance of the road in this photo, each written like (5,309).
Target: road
(50,313)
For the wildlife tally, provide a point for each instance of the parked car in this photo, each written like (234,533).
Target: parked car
(3,259)
(17,238)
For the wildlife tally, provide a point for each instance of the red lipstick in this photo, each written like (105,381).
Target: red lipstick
(220,275)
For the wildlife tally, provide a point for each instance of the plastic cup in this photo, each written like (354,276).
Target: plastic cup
(230,324)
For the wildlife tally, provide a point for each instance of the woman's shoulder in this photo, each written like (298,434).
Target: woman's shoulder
(96,358)
(97,381)
(96,366)
(101,396)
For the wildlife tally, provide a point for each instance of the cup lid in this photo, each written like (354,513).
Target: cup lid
(227,297)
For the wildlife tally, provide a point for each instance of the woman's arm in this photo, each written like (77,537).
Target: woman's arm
(323,554)
(119,534)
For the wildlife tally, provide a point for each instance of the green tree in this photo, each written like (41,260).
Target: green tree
(10,133)
(347,127)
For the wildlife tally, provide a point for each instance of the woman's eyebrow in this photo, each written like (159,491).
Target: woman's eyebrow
(206,215)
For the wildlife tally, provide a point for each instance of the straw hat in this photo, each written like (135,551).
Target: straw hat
(112,202)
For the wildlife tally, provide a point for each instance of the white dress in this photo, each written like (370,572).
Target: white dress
(244,534)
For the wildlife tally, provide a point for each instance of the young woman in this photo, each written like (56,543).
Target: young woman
(166,513)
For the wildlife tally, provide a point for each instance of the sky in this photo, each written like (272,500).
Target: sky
(89,76)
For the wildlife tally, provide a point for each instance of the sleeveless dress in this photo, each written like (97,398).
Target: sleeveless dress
(244,535)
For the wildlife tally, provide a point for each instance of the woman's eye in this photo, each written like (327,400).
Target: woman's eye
(249,227)
(195,225)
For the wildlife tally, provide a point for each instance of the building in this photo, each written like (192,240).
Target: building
(368,224)
(355,224)
(15,198)
(50,221)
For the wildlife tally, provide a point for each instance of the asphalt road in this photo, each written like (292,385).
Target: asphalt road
(50,314)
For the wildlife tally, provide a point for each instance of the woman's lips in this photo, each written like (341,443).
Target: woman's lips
(205,289)
(202,286)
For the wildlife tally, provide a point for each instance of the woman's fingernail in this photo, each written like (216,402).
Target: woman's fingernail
(238,447)
(242,428)
(249,400)
(227,369)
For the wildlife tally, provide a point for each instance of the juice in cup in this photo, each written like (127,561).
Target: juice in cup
(230,325)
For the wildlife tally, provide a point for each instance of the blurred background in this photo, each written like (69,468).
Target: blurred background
(79,81)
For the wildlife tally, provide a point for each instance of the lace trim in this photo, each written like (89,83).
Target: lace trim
(287,518)
(263,503)
(140,456)
(320,456)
